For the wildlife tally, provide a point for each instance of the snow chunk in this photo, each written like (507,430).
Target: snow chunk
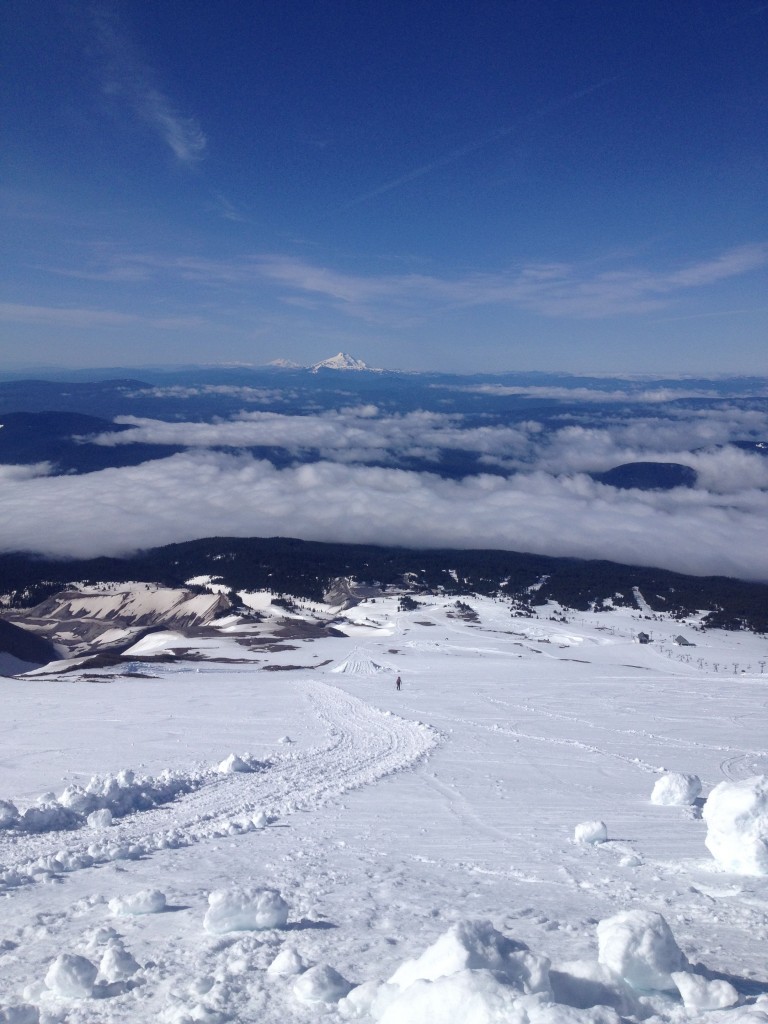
(286,963)
(260,819)
(100,819)
(234,763)
(117,964)
(71,976)
(584,983)
(736,814)
(699,994)
(234,910)
(675,789)
(9,813)
(321,984)
(147,901)
(285,739)
(639,946)
(476,945)
(591,832)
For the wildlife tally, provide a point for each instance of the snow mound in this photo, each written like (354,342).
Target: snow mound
(471,997)
(700,994)
(476,945)
(590,832)
(147,901)
(736,814)
(675,789)
(321,984)
(121,794)
(236,910)
(100,819)
(287,963)
(360,665)
(638,945)
(235,763)
(117,964)
(71,976)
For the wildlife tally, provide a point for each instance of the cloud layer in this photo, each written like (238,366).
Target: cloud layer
(536,495)
(203,493)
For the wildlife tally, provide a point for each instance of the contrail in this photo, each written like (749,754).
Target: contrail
(472,147)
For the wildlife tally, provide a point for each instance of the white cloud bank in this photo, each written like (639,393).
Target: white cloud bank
(198,494)
(696,438)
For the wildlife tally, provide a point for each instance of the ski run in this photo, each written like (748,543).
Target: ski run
(525,833)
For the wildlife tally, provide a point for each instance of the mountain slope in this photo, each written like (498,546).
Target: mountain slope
(309,570)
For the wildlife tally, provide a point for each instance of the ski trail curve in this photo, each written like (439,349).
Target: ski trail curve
(362,745)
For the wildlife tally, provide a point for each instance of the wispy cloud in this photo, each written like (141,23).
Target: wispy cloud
(552,289)
(563,290)
(127,77)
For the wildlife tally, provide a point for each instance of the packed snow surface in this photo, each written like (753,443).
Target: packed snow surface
(167,856)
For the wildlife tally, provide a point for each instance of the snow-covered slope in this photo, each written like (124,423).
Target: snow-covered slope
(141,862)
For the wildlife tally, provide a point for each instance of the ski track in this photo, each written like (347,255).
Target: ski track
(556,741)
(659,738)
(364,745)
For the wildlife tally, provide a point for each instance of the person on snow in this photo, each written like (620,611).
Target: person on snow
(397,683)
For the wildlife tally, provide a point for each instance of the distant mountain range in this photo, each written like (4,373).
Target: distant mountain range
(103,605)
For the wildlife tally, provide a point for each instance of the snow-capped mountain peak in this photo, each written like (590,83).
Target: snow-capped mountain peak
(284,364)
(341,361)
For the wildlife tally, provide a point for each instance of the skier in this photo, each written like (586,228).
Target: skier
(397,683)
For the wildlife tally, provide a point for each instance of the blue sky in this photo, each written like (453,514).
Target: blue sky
(539,184)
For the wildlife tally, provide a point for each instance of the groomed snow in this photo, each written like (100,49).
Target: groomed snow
(409,856)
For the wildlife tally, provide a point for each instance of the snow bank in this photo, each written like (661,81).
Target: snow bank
(235,910)
(639,946)
(590,832)
(675,789)
(118,795)
(147,901)
(321,985)
(71,976)
(736,814)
